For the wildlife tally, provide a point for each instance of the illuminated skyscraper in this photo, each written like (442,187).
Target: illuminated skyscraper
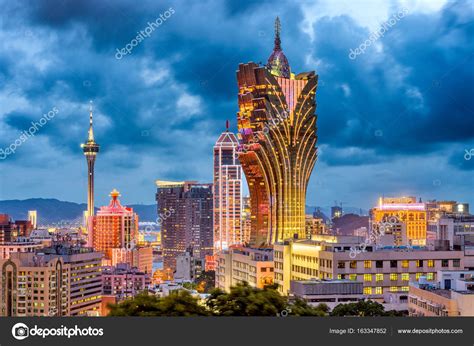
(185,211)
(114,227)
(91,149)
(277,134)
(227,192)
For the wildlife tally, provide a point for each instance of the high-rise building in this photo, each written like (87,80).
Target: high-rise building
(186,224)
(114,226)
(404,210)
(227,192)
(33,218)
(90,149)
(56,281)
(277,134)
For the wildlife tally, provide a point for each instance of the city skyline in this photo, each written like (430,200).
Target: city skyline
(360,159)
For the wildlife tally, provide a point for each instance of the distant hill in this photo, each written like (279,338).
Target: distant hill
(55,211)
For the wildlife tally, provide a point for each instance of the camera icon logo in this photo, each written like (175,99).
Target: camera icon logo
(20,331)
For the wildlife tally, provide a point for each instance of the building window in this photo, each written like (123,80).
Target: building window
(367,264)
(405,264)
(405,288)
(367,290)
(418,275)
(430,276)
(353,265)
(393,289)
(419,263)
(444,263)
(378,290)
(406,276)
(353,277)
(393,264)
(430,263)
(367,277)
(378,277)
(341,265)
(393,276)
(378,264)
(456,263)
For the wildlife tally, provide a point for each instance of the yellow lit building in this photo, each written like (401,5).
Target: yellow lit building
(277,135)
(241,264)
(384,271)
(406,211)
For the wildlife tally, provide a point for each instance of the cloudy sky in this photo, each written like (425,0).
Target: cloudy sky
(396,120)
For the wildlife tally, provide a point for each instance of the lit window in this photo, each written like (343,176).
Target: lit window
(393,289)
(394,276)
(405,277)
(405,264)
(367,264)
(430,263)
(430,276)
(378,290)
(378,277)
(353,277)
(367,277)
(367,290)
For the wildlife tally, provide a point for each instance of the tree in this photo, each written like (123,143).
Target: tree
(178,303)
(205,283)
(361,308)
(243,300)
(300,307)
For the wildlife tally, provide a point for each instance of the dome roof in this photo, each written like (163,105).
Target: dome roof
(277,62)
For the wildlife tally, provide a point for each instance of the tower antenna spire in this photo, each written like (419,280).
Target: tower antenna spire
(277,34)
(227,125)
(91,131)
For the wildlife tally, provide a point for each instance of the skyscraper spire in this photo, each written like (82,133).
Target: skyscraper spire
(91,131)
(277,62)
(277,34)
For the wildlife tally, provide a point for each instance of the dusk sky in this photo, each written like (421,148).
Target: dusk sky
(396,120)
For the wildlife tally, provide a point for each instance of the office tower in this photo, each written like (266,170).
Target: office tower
(277,135)
(33,218)
(90,149)
(404,210)
(56,281)
(185,210)
(114,227)
(227,192)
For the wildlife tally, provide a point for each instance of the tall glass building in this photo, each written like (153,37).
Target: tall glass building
(277,151)
(227,193)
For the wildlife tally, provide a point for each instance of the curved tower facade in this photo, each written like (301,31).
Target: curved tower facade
(277,150)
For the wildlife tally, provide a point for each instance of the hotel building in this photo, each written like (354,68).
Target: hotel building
(114,226)
(243,264)
(58,281)
(187,221)
(385,271)
(406,212)
(277,136)
(227,193)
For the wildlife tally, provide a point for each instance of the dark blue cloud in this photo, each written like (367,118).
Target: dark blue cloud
(409,95)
